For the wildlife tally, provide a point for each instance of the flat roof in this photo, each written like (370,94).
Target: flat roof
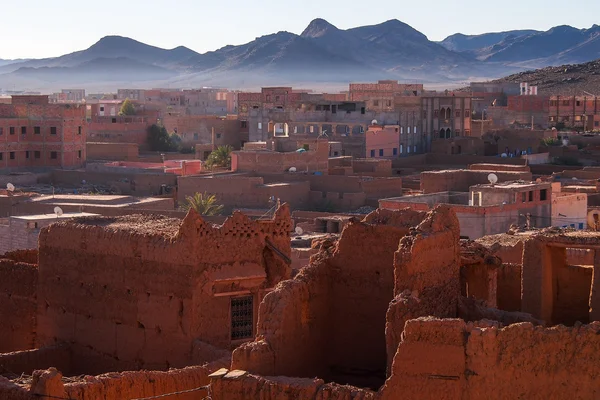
(53,216)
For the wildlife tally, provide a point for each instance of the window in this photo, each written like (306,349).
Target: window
(276,98)
(435,113)
(362,110)
(27,154)
(424,114)
(334,109)
(415,148)
(372,153)
(467,132)
(415,129)
(543,194)
(578,118)
(12,130)
(395,151)
(242,318)
(1,156)
(457,132)
(23,130)
(37,130)
(101,108)
(53,130)
(566,118)
(457,113)
(37,154)
(259,125)
(1,130)
(408,149)
(408,129)
(114,121)
(531,195)
(467,113)
(244,124)
(362,129)
(218,136)
(380,152)
(388,103)
(565,102)
(596,123)
(12,155)
(79,154)
(581,225)
(553,103)
(53,155)
(401,149)
(578,103)
(401,130)
(524,197)
(195,136)
(552,118)
(375,103)
(268,98)
(79,130)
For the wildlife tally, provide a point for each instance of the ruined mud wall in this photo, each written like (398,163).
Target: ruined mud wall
(573,286)
(140,289)
(485,361)
(509,287)
(427,274)
(18,283)
(339,302)
(238,385)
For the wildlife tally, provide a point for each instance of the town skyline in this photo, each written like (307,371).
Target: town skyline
(40,41)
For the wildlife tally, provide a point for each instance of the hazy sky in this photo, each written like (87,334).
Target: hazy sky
(47,28)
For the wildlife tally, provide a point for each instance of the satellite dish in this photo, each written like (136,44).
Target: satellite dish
(574,178)
(492,178)
(58,211)
(374,122)
(299,231)
(292,169)
(10,187)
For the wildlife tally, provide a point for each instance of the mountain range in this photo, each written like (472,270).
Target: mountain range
(322,54)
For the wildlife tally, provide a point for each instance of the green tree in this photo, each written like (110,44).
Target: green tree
(127,108)
(158,138)
(203,204)
(221,157)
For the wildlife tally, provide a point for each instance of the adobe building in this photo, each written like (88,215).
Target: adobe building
(138,292)
(36,134)
(107,126)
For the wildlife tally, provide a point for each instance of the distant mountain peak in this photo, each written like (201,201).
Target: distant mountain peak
(317,28)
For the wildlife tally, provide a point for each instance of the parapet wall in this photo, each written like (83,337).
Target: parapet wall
(484,360)
(18,285)
(461,180)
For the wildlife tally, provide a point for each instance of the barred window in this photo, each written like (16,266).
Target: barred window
(242,319)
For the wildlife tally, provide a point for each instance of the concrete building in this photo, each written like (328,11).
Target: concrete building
(35,133)
(383,141)
(579,112)
(487,209)
(569,210)
(22,232)
(445,117)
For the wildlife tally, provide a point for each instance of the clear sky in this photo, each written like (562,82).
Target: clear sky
(48,28)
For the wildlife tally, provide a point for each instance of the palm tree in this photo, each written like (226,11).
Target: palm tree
(203,204)
(221,157)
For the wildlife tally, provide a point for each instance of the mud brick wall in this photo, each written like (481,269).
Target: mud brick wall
(488,361)
(18,285)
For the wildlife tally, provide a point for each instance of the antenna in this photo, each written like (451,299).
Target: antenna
(493,178)
(58,211)
(299,231)
(10,187)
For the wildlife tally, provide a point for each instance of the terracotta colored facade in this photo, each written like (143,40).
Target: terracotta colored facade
(34,133)
(581,112)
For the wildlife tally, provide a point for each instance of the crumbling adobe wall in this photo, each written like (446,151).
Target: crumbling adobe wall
(573,285)
(450,359)
(18,283)
(141,289)
(509,287)
(239,385)
(339,302)
(427,274)
(125,385)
